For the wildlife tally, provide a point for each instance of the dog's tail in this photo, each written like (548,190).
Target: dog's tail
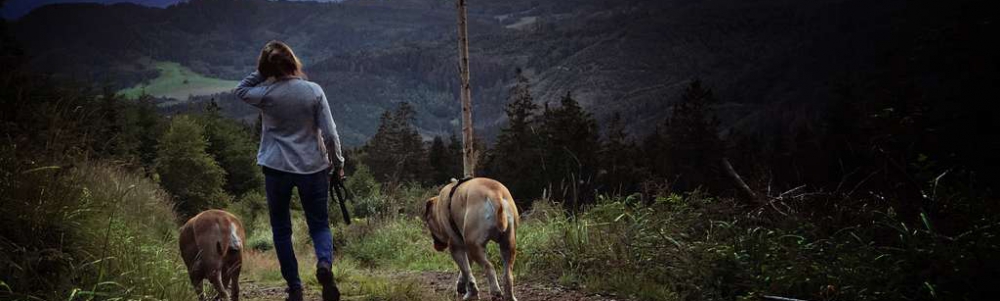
(234,238)
(503,217)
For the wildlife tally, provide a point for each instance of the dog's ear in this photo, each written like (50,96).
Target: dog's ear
(431,225)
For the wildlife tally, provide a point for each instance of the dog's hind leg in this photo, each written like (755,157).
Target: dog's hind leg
(234,284)
(231,279)
(466,282)
(216,278)
(231,273)
(198,287)
(478,254)
(508,252)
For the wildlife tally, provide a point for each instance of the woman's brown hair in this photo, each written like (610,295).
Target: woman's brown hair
(277,60)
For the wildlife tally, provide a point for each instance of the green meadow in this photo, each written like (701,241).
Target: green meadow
(179,82)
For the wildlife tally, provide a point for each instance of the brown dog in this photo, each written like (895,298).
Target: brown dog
(211,245)
(463,218)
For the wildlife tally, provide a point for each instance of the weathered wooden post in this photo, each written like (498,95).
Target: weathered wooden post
(468,159)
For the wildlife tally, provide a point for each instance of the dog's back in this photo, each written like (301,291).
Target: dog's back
(498,204)
(211,245)
(488,201)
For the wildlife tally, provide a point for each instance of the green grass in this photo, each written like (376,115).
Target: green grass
(397,244)
(179,82)
(357,277)
(89,231)
(377,284)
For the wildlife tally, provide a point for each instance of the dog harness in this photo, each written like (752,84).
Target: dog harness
(454,226)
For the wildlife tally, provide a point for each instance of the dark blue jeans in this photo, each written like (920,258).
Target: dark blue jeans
(313,193)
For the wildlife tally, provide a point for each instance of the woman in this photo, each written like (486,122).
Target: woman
(296,121)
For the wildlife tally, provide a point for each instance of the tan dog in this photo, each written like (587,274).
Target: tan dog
(464,219)
(211,245)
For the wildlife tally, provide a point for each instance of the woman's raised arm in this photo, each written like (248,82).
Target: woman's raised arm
(249,92)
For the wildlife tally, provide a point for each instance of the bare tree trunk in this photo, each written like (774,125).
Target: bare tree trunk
(468,159)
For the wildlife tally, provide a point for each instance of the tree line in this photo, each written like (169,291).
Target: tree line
(557,150)
(860,144)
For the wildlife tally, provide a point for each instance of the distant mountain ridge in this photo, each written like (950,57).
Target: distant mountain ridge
(14,9)
(771,62)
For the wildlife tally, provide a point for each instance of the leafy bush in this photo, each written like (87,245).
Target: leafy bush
(366,194)
(370,201)
(233,146)
(251,208)
(192,177)
(261,240)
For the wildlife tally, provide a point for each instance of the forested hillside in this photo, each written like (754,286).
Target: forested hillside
(774,64)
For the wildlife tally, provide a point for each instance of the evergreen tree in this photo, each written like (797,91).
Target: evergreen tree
(438,158)
(126,130)
(380,149)
(618,158)
(455,155)
(515,158)
(147,126)
(234,149)
(691,142)
(395,153)
(571,144)
(187,171)
(109,141)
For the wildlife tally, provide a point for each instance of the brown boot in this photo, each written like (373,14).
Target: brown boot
(294,294)
(325,277)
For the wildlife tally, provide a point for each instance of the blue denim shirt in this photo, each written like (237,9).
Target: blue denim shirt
(295,124)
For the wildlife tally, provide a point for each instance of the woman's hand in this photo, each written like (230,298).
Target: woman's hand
(340,173)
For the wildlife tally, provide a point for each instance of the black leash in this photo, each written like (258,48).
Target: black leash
(337,188)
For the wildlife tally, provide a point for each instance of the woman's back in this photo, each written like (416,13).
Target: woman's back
(296,121)
(287,103)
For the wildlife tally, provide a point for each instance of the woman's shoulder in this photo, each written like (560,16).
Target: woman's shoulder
(314,86)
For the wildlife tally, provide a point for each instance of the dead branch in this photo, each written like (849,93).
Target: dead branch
(739,180)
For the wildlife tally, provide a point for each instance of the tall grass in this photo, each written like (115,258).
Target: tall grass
(694,247)
(85,232)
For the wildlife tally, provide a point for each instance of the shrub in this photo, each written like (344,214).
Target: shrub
(251,208)
(191,176)
(234,148)
(261,240)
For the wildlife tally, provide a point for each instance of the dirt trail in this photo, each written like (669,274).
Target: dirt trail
(254,292)
(443,284)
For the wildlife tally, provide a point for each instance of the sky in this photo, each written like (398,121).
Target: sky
(13,9)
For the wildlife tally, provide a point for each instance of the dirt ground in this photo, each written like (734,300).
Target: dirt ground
(256,292)
(443,284)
